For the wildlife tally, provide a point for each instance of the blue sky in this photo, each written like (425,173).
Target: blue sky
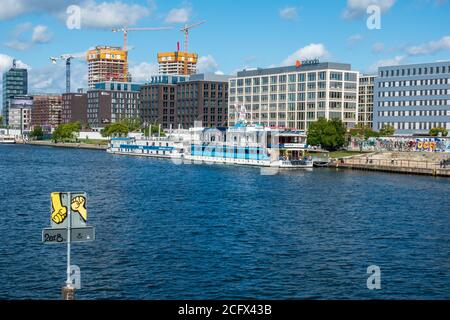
(238,34)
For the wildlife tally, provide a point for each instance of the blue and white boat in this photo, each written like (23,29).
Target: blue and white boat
(169,148)
(249,145)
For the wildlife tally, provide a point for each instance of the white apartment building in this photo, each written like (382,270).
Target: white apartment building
(295,96)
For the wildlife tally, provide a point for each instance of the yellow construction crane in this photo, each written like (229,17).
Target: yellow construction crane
(185,30)
(125,31)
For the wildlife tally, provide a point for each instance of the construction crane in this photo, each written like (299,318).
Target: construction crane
(67,58)
(185,30)
(125,31)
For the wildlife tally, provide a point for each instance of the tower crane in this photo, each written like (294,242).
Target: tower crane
(125,31)
(67,58)
(185,30)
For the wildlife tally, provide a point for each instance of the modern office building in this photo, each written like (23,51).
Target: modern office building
(365,98)
(46,111)
(295,96)
(111,102)
(107,64)
(15,83)
(413,98)
(175,103)
(74,108)
(176,62)
(19,113)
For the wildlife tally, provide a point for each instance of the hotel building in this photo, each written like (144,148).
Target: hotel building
(74,108)
(413,98)
(295,96)
(175,101)
(107,64)
(111,102)
(365,104)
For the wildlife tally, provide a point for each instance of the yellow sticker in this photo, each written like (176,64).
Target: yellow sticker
(59,213)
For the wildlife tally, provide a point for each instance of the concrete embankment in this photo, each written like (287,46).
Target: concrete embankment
(68,145)
(397,163)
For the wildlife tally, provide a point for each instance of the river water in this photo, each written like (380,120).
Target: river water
(167,231)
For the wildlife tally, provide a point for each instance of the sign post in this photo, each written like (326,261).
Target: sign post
(69,225)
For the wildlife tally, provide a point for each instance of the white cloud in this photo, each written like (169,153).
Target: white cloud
(377,47)
(24,36)
(289,13)
(143,71)
(41,34)
(358,8)
(101,14)
(52,77)
(207,64)
(431,47)
(12,8)
(7,61)
(111,14)
(219,73)
(354,39)
(18,45)
(179,15)
(311,51)
(388,62)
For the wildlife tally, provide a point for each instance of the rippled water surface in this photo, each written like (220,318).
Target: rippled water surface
(168,231)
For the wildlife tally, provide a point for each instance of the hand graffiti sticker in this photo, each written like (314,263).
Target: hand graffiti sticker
(79,205)
(59,213)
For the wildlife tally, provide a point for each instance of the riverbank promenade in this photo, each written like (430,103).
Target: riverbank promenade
(399,162)
(68,145)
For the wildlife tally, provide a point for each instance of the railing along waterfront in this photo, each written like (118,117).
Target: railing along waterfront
(394,163)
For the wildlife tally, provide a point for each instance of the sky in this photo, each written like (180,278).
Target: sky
(237,34)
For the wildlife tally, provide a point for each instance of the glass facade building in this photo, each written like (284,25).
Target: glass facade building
(15,83)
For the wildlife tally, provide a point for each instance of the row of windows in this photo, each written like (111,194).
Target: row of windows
(292,78)
(292,97)
(414,113)
(413,83)
(414,93)
(414,103)
(415,71)
(414,125)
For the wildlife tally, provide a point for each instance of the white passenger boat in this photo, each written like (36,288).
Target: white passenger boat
(147,147)
(249,145)
(7,140)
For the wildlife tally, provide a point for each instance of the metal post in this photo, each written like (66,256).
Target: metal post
(68,292)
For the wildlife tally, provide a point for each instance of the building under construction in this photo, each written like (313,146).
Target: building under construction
(179,63)
(107,64)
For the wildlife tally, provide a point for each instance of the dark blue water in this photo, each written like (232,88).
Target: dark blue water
(166,231)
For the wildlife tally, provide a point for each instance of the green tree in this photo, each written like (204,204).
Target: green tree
(1,120)
(434,132)
(330,134)
(115,129)
(387,131)
(363,132)
(37,133)
(133,124)
(66,132)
